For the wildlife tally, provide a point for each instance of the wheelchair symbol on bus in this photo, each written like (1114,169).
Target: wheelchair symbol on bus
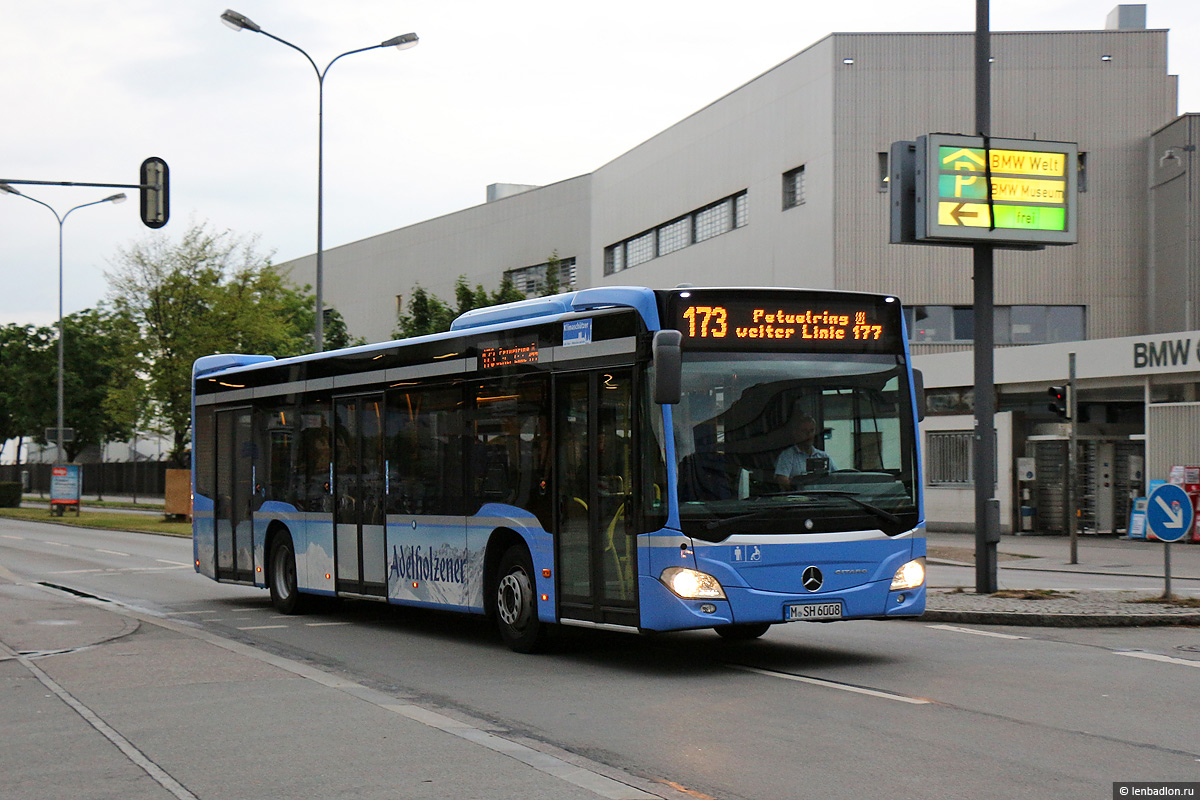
(753,553)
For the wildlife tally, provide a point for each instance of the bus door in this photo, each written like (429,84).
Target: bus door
(360,550)
(234,481)
(596,553)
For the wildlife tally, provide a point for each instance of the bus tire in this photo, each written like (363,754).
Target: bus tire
(285,595)
(742,633)
(516,602)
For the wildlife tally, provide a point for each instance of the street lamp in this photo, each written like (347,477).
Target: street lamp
(240,22)
(116,198)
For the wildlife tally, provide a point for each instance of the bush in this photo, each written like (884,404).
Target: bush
(10,495)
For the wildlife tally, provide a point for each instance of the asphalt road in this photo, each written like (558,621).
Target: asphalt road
(855,709)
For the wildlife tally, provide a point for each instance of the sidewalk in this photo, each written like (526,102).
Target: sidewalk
(1104,557)
(106,702)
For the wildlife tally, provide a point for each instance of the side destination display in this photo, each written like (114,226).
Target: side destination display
(709,320)
(1014,191)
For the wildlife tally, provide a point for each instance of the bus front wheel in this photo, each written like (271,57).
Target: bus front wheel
(516,602)
(742,633)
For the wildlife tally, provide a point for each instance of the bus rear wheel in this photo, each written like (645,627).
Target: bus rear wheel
(285,595)
(516,602)
(742,633)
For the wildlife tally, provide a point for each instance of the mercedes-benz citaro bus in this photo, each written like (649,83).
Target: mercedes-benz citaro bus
(616,457)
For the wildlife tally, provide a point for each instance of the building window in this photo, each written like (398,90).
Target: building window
(1012,324)
(714,220)
(614,258)
(881,182)
(639,250)
(948,457)
(674,236)
(1081,174)
(532,280)
(793,188)
(697,226)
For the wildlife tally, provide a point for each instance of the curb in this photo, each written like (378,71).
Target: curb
(1061,620)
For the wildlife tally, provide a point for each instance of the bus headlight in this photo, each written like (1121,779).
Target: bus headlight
(910,576)
(691,584)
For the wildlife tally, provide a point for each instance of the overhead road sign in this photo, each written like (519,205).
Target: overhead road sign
(955,190)
(977,189)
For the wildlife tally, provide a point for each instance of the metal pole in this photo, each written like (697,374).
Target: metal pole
(1167,569)
(319,324)
(987,522)
(1072,488)
(62,451)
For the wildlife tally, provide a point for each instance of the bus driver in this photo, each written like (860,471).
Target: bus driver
(794,461)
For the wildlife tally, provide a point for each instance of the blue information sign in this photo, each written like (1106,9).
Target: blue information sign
(1169,512)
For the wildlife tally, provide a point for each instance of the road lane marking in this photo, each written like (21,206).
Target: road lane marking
(1156,657)
(845,687)
(172,563)
(57,544)
(956,629)
(113,553)
(7,536)
(261,627)
(323,624)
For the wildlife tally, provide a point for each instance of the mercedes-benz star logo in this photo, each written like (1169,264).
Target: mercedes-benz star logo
(812,579)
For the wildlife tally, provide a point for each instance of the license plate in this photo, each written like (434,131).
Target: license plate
(814,611)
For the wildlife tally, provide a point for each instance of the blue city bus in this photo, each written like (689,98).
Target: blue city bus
(604,458)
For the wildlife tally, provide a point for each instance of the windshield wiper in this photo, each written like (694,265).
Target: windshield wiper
(874,509)
(764,514)
(767,513)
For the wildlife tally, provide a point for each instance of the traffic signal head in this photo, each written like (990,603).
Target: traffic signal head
(154,179)
(1060,400)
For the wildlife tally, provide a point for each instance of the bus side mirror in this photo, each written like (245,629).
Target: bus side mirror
(919,391)
(668,367)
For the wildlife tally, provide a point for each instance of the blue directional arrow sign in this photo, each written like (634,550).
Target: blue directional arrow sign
(1169,513)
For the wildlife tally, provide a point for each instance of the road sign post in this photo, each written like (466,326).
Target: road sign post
(1169,516)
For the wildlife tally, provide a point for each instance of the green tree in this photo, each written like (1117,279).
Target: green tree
(507,293)
(94,357)
(553,275)
(28,386)
(336,334)
(427,313)
(210,292)
(468,298)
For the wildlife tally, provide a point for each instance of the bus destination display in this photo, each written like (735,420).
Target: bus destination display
(492,357)
(709,322)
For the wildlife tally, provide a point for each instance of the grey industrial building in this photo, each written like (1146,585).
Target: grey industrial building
(784,182)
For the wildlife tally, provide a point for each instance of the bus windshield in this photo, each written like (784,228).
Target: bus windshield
(794,443)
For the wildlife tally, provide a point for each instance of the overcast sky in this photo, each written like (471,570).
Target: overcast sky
(525,91)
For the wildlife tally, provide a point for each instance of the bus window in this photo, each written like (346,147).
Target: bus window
(313,492)
(510,444)
(424,451)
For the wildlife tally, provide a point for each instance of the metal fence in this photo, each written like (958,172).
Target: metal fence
(123,479)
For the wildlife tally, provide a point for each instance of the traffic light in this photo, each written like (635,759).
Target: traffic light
(154,178)
(1060,400)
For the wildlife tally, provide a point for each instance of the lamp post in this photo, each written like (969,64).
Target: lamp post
(240,22)
(116,198)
